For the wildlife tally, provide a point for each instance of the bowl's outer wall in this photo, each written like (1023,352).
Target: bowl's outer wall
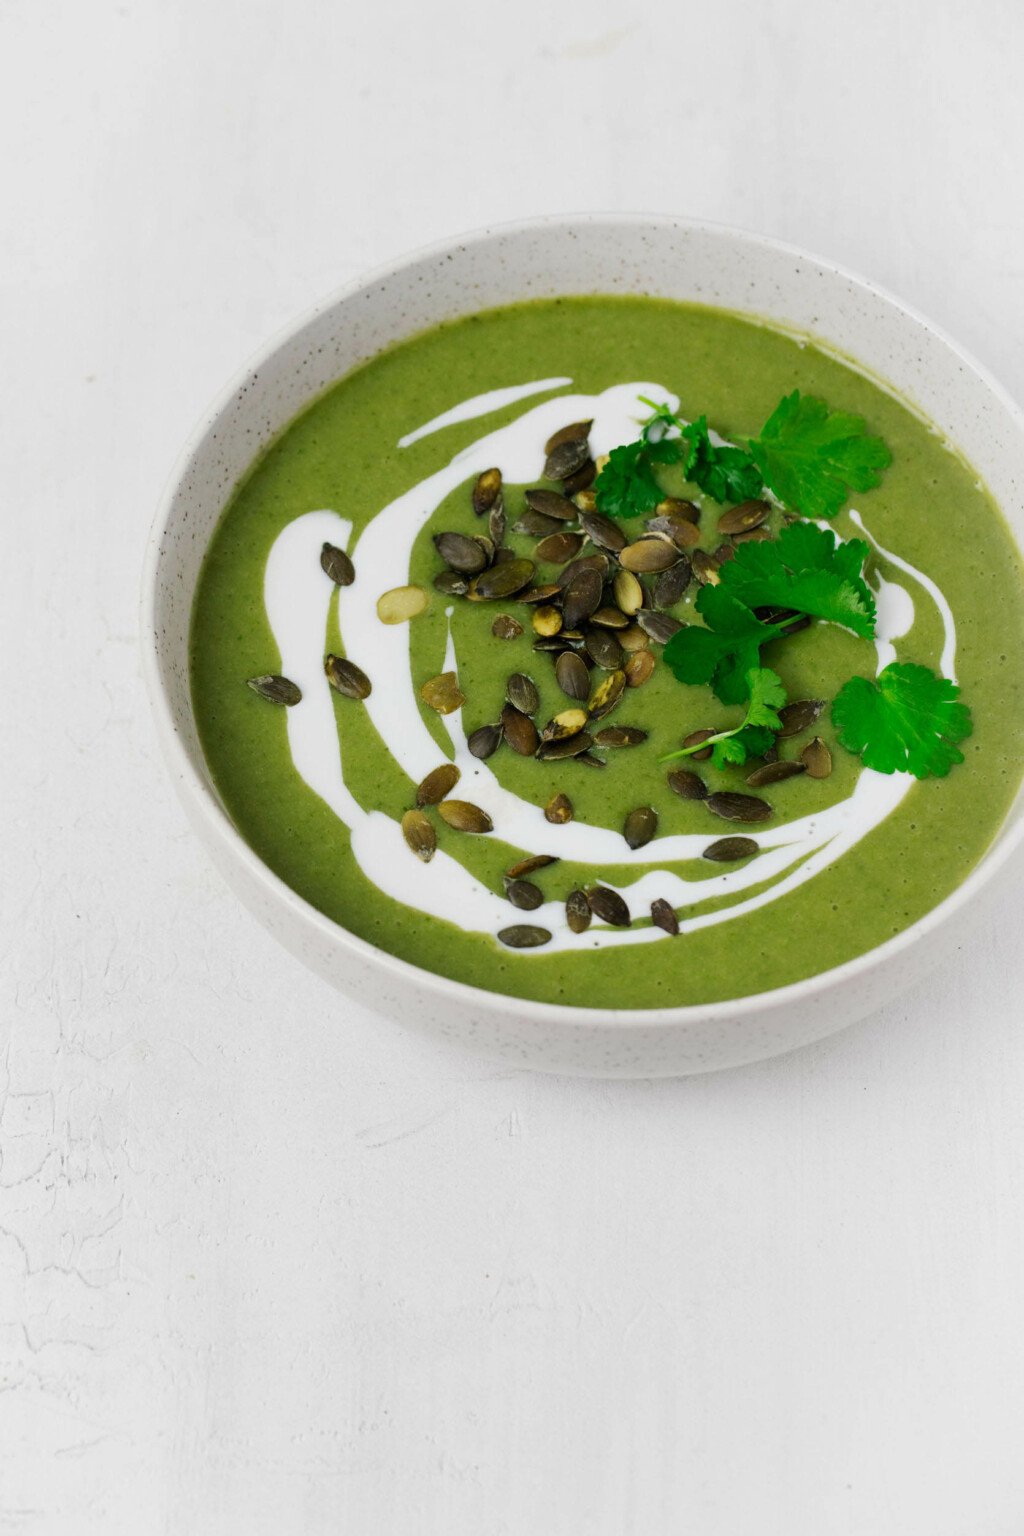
(667,258)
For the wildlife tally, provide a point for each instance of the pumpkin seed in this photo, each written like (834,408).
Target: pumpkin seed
(648,554)
(603,649)
(673,506)
(554,645)
(503,554)
(640,826)
(558,810)
(438,783)
(608,906)
(551,504)
(582,596)
(486,544)
(577,911)
(581,479)
(723,554)
(566,458)
(606,695)
(660,626)
(602,531)
(486,491)
(401,604)
(705,568)
(496,524)
(559,747)
(629,594)
(568,723)
(547,620)
(520,731)
(734,807)
(774,773)
(575,432)
(346,678)
(451,583)
(538,594)
(728,849)
(572,676)
(524,894)
(419,834)
(443,693)
(589,760)
(505,627)
(521,692)
(754,536)
(817,759)
(530,865)
(462,553)
(610,618)
(502,580)
(698,736)
(796,717)
(744,517)
(337,565)
(281,690)
(633,639)
(639,668)
(689,786)
(560,547)
(585,501)
(524,936)
(620,736)
(598,563)
(671,584)
(663,915)
(683,532)
(484,741)
(536,525)
(464,816)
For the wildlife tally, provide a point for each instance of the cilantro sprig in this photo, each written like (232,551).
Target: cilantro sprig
(806,570)
(906,720)
(755,732)
(809,456)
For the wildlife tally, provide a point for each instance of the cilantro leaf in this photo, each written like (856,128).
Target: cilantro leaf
(724,653)
(755,732)
(626,487)
(806,568)
(812,457)
(907,720)
(725,473)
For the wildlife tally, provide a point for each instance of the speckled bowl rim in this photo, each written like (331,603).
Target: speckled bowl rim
(1005,847)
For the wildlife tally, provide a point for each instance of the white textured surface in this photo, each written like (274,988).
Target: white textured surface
(267,1264)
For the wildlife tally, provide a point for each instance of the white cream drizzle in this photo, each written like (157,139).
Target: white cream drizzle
(298,596)
(947,661)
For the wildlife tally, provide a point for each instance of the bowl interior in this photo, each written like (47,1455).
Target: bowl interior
(584,255)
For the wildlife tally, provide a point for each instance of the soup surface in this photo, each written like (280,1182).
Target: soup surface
(384,463)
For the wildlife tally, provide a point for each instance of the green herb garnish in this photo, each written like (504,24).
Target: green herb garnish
(724,653)
(905,720)
(806,568)
(812,457)
(755,732)
(809,456)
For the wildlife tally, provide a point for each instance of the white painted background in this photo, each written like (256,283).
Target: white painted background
(267,1264)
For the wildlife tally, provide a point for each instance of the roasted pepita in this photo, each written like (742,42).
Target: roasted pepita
(419,834)
(438,783)
(774,773)
(575,432)
(581,597)
(638,668)
(659,626)
(559,747)
(608,906)
(603,648)
(558,548)
(484,741)
(521,692)
(502,580)
(620,736)
(640,826)
(728,849)
(796,717)
(505,627)
(443,693)
(736,807)
(486,491)
(530,865)
(743,517)
(551,504)
(577,911)
(602,531)
(524,895)
(547,620)
(463,816)
(663,915)
(401,604)
(606,695)
(689,786)
(572,676)
(524,936)
(671,584)
(649,553)
(460,552)
(520,731)
(705,568)
(278,690)
(698,736)
(337,565)
(346,678)
(817,759)
(558,810)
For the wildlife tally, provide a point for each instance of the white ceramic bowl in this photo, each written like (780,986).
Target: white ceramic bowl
(672,258)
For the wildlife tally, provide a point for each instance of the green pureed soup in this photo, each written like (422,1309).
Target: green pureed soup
(793,644)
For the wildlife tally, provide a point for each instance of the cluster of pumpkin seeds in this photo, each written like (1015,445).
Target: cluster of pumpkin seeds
(597,621)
